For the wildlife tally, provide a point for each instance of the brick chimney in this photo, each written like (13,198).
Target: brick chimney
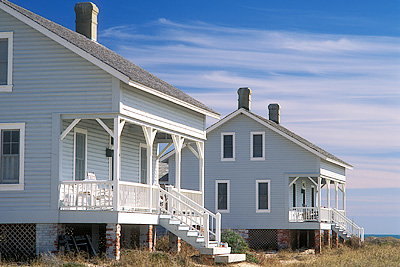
(86,19)
(274,112)
(244,98)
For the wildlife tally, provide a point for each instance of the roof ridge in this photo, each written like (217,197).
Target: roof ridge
(109,57)
(286,131)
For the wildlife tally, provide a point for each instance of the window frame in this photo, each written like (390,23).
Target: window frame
(313,198)
(21,179)
(228,198)
(233,146)
(294,195)
(142,145)
(85,132)
(268,210)
(252,146)
(10,37)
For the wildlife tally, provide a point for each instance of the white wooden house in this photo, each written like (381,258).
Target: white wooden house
(80,127)
(272,186)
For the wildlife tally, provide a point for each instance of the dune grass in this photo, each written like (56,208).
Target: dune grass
(375,252)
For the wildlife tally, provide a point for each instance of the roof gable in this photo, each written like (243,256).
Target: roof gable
(106,59)
(285,133)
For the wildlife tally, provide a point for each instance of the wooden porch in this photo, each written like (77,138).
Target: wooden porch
(98,195)
(312,211)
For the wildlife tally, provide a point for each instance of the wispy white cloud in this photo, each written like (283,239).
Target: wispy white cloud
(339,91)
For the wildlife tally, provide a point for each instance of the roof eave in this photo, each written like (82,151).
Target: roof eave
(107,68)
(173,99)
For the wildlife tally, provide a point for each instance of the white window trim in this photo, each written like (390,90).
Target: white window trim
(251,146)
(8,35)
(142,145)
(233,144)
(228,189)
(82,131)
(21,128)
(269,196)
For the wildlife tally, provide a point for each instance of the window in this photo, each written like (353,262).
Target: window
(257,148)
(6,52)
(228,146)
(262,196)
(143,164)
(12,139)
(80,154)
(312,196)
(294,194)
(303,194)
(222,195)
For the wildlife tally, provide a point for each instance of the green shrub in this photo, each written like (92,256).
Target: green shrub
(250,257)
(235,241)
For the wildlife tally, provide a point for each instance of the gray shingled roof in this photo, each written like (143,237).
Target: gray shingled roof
(110,58)
(300,139)
(294,136)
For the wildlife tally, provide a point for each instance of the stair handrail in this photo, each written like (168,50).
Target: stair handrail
(348,225)
(203,215)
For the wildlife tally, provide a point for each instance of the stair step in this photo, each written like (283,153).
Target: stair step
(183,228)
(229,258)
(165,216)
(174,222)
(192,233)
(215,251)
(200,239)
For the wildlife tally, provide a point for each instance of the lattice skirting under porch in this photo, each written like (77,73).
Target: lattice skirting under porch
(17,240)
(263,239)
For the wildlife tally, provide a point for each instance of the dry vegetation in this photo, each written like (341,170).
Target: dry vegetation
(375,252)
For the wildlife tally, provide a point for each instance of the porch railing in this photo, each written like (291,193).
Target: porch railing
(192,214)
(98,195)
(303,214)
(346,224)
(86,195)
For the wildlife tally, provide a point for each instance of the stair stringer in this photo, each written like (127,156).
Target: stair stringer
(340,231)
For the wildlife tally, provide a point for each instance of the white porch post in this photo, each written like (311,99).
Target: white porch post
(200,149)
(150,135)
(328,193)
(344,197)
(319,198)
(336,196)
(117,160)
(178,143)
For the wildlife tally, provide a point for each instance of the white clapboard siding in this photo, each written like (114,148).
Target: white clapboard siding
(282,156)
(332,170)
(47,79)
(146,102)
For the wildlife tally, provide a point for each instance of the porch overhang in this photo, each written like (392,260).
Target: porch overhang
(144,119)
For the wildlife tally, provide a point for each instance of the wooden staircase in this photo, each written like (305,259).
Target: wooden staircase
(344,227)
(194,224)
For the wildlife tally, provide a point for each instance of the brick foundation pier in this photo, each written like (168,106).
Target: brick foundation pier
(113,241)
(47,237)
(283,238)
(317,238)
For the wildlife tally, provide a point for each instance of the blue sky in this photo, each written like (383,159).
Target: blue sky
(333,66)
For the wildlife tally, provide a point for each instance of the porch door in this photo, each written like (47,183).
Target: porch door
(143,165)
(80,156)
(303,194)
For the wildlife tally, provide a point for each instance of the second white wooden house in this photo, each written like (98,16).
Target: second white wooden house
(272,186)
